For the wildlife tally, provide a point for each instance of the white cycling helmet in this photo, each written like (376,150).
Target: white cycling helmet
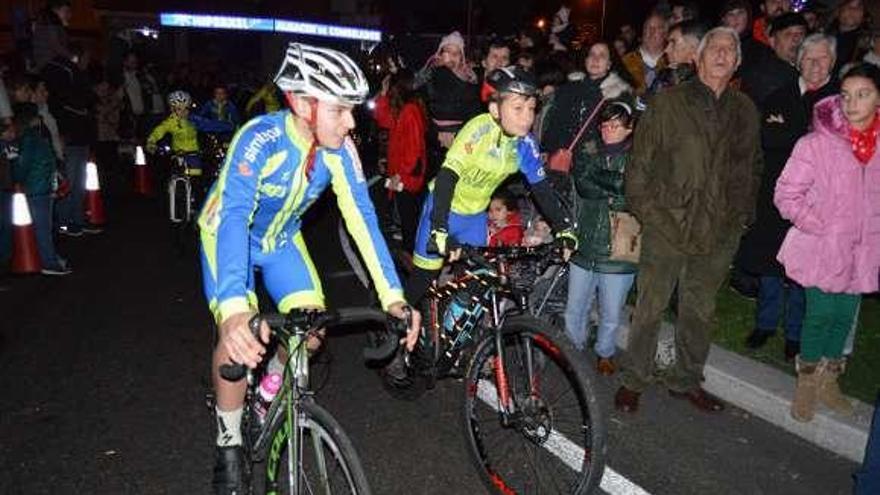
(321,73)
(178,99)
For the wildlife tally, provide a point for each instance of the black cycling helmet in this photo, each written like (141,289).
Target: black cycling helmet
(513,79)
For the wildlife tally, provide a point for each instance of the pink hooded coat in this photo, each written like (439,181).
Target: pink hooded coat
(833,202)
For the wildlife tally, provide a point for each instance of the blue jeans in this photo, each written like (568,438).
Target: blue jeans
(612,291)
(775,295)
(70,209)
(41,213)
(868,478)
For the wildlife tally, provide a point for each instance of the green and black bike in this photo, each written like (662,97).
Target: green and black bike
(299,448)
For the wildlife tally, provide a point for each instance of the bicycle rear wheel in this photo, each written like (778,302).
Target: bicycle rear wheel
(326,460)
(554,438)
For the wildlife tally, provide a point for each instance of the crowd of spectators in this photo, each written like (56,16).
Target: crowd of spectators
(716,108)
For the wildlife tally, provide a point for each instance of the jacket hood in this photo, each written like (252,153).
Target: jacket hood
(613,86)
(828,118)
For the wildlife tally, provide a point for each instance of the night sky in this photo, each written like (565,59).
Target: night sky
(501,15)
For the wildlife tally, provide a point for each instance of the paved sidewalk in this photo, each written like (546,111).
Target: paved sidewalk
(767,393)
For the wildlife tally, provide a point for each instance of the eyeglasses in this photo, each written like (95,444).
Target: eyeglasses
(611,125)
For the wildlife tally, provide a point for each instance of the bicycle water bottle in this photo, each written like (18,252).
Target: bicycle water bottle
(269,387)
(457,306)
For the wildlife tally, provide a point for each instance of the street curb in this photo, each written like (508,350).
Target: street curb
(767,392)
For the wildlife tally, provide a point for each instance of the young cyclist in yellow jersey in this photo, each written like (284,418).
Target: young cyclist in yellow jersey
(488,149)
(277,166)
(183,129)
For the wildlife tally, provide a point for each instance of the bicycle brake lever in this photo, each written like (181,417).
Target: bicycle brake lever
(236,371)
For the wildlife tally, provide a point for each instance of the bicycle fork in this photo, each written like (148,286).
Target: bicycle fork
(507,407)
(502,385)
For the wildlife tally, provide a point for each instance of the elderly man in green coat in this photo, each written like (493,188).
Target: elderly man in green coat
(692,183)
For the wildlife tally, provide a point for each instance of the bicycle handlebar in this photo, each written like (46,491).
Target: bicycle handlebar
(300,319)
(549,253)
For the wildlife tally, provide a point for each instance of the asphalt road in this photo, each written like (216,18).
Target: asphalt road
(104,375)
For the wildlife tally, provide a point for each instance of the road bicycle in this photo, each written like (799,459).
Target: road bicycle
(297,447)
(531,417)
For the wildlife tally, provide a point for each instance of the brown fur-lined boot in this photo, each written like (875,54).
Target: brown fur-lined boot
(829,390)
(803,407)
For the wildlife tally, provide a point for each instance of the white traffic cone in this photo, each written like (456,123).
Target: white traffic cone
(143,183)
(25,255)
(94,204)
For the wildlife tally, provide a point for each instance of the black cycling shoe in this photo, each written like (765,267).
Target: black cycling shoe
(229,471)
(396,368)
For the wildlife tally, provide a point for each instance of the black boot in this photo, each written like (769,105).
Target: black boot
(228,471)
(758,338)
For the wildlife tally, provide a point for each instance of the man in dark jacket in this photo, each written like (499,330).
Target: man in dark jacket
(573,102)
(786,118)
(71,101)
(681,54)
(692,183)
(773,67)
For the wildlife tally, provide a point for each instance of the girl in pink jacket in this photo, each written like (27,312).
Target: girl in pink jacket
(830,191)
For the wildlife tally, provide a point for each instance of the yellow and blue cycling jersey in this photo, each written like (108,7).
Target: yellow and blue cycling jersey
(482,156)
(252,217)
(184,134)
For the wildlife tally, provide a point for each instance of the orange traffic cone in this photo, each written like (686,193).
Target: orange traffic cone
(143,182)
(93,203)
(25,256)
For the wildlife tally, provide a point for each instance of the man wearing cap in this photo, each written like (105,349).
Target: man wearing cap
(692,182)
(774,66)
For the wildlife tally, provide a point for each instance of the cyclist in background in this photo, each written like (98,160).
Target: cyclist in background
(264,100)
(277,166)
(184,129)
(220,108)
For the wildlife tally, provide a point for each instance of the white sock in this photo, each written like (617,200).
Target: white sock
(228,427)
(275,365)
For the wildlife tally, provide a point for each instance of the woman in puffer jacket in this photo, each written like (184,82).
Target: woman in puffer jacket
(830,191)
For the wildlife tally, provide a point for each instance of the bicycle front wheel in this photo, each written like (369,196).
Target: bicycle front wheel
(325,461)
(550,437)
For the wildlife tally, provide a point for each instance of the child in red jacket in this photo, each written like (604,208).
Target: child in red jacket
(399,110)
(505,222)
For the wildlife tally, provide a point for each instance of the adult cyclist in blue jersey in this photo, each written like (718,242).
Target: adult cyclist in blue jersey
(277,166)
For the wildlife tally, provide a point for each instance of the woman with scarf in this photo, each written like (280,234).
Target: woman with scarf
(830,191)
(452,95)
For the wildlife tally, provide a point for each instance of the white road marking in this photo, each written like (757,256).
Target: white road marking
(569,452)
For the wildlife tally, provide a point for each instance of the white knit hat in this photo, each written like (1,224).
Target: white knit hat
(452,39)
